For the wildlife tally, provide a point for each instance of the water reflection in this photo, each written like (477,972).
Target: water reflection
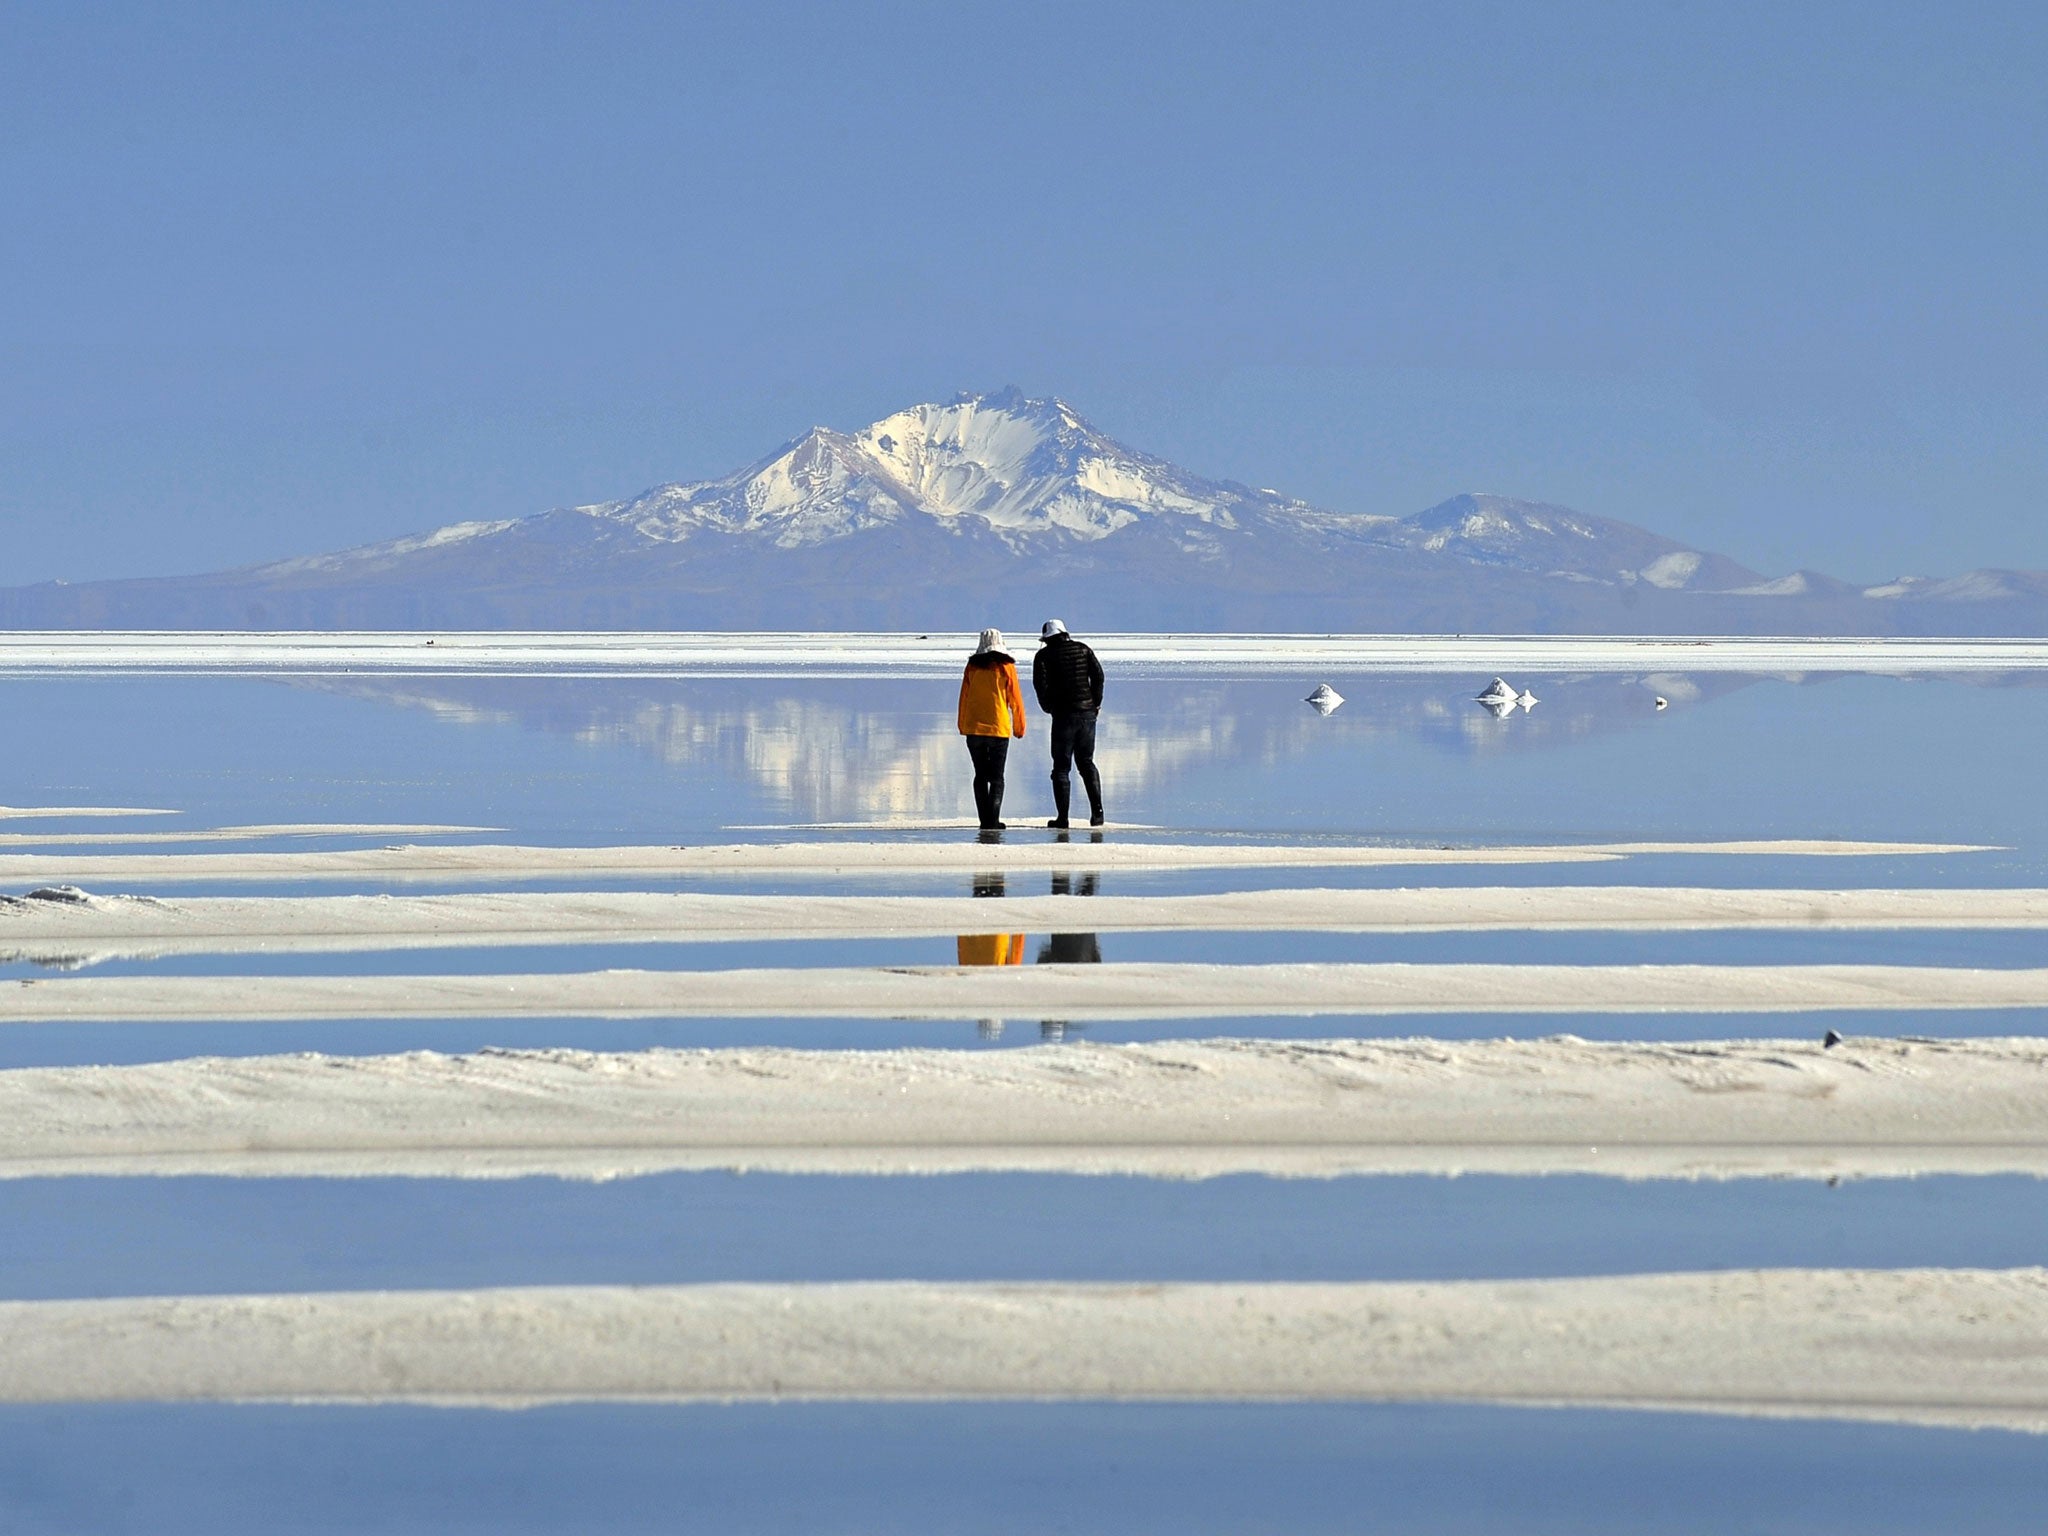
(1072,948)
(875,749)
(1008,948)
(1069,948)
(989,948)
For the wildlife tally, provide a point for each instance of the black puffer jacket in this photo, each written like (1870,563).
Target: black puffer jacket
(1066,677)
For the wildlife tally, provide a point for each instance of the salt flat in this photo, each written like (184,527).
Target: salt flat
(1135,990)
(1955,1347)
(1183,1109)
(99,927)
(833,654)
(865,857)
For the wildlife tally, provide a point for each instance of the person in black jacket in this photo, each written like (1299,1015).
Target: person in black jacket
(1068,681)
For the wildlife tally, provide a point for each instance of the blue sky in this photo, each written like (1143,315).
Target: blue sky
(283,278)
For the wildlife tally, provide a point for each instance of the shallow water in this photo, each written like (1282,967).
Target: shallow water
(1407,758)
(181,1236)
(695,760)
(1000,1468)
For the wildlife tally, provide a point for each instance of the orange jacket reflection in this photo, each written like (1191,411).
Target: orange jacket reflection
(991,948)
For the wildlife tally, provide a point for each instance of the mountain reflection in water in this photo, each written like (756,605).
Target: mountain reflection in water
(887,748)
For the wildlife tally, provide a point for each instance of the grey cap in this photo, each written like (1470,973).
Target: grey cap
(1052,627)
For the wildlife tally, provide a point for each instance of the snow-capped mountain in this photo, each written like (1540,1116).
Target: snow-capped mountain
(989,507)
(1022,472)
(1032,476)
(1533,536)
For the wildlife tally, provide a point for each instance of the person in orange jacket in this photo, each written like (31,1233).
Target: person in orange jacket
(991,713)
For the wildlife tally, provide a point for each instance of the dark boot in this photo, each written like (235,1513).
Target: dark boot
(1092,782)
(1062,796)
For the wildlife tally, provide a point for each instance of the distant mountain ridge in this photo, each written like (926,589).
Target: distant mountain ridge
(989,508)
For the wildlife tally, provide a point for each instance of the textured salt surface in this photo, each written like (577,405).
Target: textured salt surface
(505,862)
(1178,1109)
(1914,1346)
(101,926)
(1138,990)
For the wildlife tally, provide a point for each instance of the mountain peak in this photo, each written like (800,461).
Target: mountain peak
(1542,537)
(1478,514)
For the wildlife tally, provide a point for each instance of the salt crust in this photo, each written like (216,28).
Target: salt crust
(1138,990)
(1943,1347)
(1181,1109)
(831,654)
(98,927)
(865,857)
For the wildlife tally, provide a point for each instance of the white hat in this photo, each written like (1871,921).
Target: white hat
(991,640)
(1052,627)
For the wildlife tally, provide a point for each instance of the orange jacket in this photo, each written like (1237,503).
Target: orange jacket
(990,948)
(991,703)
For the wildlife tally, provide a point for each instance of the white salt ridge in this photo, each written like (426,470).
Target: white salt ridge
(1948,1347)
(1865,1107)
(1134,990)
(851,857)
(104,926)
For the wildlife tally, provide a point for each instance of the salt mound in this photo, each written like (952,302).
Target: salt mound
(1499,691)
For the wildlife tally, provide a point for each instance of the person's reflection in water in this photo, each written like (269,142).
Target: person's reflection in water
(1069,948)
(990,948)
(1072,948)
(1065,884)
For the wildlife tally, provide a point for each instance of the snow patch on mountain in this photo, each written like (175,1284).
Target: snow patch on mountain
(1673,571)
(1555,541)
(1798,584)
(1988,586)
(391,551)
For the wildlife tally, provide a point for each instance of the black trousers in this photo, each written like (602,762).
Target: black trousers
(990,753)
(1073,746)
